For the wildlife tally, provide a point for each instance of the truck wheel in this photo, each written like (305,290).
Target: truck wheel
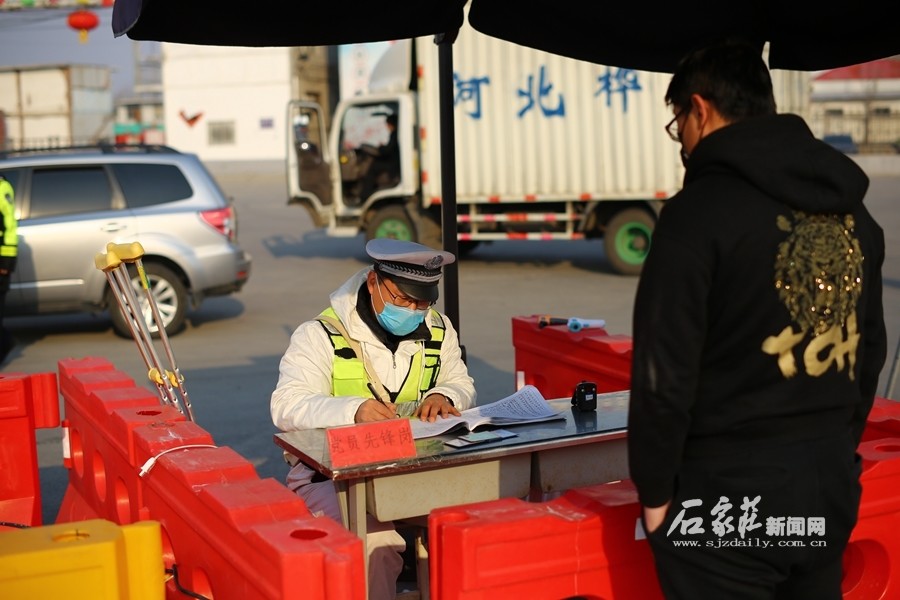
(391,222)
(169,293)
(627,240)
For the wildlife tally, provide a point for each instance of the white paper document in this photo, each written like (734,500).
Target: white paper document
(525,406)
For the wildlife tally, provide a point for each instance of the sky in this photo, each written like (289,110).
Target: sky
(43,37)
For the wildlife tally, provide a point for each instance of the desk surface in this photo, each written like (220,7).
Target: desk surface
(608,422)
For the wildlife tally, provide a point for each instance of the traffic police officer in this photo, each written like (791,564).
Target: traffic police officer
(377,352)
(9,249)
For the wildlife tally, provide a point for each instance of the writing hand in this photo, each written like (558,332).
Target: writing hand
(374,410)
(434,406)
(654,517)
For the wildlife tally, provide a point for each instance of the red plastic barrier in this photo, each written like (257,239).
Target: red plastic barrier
(102,408)
(628,567)
(883,421)
(27,402)
(555,360)
(509,548)
(228,533)
(870,561)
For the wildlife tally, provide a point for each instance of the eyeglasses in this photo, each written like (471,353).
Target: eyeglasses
(405,301)
(672,128)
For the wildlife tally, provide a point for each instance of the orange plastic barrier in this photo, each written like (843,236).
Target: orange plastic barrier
(870,561)
(883,421)
(225,532)
(510,548)
(555,360)
(103,406)
(27,402)
(628,567)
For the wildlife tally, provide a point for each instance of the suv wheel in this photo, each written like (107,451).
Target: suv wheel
(169,294)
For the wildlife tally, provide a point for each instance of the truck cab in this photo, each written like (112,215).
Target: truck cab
(356,178)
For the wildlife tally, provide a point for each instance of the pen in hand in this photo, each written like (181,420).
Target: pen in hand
(375,395)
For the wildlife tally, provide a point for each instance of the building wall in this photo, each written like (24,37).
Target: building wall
(225,103)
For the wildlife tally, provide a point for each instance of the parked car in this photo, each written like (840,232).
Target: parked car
(841,142)
(71,202)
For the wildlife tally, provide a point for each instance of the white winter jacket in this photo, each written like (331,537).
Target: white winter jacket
(303,397)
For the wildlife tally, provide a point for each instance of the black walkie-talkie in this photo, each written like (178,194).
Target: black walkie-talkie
(585,396)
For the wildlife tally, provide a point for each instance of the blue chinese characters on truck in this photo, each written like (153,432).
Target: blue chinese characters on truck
(539,91)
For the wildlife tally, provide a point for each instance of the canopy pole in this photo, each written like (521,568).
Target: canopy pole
(448,173)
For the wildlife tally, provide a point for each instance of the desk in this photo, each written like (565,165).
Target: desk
(586,448)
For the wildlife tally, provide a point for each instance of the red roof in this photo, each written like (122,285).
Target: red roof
(885,68)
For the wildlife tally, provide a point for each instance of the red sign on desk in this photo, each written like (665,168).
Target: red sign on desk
(370,442)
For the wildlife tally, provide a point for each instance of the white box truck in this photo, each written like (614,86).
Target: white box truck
(56,105)
(547,148)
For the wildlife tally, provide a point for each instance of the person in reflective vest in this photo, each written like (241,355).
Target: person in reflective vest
(9,249)
(379,351)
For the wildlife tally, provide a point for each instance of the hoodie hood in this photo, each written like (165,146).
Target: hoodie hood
(779,155)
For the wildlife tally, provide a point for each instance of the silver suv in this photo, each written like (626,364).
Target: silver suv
(71,202)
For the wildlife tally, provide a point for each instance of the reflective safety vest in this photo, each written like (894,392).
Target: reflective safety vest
(349,376)
(9,241)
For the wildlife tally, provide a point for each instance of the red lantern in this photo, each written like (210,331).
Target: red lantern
(83,21)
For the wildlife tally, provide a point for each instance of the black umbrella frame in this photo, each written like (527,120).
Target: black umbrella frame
(802,35)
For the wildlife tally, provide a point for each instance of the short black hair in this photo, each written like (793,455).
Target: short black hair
(730,74)
(391,119)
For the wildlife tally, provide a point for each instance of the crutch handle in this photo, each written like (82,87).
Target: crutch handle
(107,262)
(126,252)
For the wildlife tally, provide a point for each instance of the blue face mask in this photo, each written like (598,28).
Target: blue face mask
(398,319)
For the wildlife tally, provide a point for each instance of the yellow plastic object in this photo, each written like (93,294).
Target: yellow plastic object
(107,262)
(87,560)
(126,252)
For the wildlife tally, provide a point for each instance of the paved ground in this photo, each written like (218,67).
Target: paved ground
(229,354)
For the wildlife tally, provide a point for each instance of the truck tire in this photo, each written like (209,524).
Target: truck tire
(627,240)
(392,221)
(169,293)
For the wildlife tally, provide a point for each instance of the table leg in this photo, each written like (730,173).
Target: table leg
(356,506)
(341,487)
(535,491)
(356,510)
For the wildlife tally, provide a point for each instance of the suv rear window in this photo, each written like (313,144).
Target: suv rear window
(69,191)
(12,176)
(146,185)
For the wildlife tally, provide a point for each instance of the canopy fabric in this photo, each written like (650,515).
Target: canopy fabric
(802,34)
(283,22)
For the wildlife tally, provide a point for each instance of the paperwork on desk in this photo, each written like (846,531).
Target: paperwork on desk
(525,406)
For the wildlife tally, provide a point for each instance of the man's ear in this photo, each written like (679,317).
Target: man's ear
(701,109)
(708,116)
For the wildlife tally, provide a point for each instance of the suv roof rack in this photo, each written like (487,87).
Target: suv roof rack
(104,147)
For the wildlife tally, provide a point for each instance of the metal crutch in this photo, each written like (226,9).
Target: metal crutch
(115,265)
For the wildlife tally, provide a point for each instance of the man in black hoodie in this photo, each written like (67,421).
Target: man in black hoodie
(758,341)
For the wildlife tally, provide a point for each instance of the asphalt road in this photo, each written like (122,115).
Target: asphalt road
(230,351)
